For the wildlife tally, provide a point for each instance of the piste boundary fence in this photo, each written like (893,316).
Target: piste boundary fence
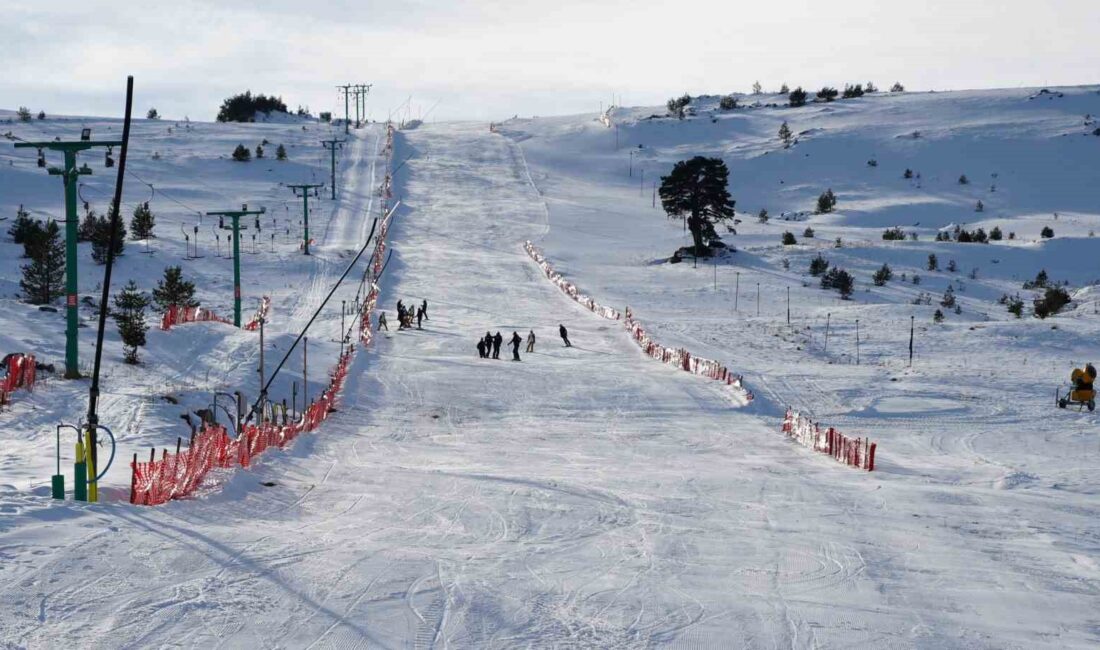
(177,315)
(261,315)
(22,372)
(854,452)
(180,475)
(677,357)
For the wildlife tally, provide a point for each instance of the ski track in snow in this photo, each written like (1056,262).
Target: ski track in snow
(585,497)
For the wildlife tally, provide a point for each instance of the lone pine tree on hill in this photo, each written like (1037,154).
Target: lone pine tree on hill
(697,188)
(785,135)
(101,237)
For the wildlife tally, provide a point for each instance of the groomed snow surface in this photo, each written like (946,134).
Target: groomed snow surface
(588,496)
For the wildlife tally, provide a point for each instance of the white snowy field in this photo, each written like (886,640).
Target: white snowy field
(588,496)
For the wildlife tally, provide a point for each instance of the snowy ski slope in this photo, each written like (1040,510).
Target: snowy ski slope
(588,496)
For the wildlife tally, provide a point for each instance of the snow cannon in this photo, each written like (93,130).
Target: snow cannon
(1082,394)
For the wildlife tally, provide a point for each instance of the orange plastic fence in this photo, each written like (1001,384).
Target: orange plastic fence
(180,475)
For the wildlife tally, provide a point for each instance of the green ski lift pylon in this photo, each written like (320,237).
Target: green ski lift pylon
(69,175)
(305,189)
(235,216)
(332,146)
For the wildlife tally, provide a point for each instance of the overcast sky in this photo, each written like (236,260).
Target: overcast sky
(489,59)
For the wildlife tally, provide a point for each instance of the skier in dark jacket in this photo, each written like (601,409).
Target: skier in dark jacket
(419,317)
(497,341)
(481,348)
(531,342)
(516,340)
(488,345)
(382,325)
(564,335)
(424,308)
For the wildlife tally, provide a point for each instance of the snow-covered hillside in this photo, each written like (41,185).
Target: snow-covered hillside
(589,496)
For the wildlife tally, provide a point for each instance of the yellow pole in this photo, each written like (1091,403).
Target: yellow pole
(93,488)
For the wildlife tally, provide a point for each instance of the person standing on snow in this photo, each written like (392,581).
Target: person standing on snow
(424,308)
(382,325)
(488,345)
(481,348)
(516,340)
(531,342)
(419,317)
(497,341)
(564,335)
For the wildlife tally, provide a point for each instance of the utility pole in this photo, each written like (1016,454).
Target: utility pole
(736,290)
(332,146)
(305,190)
(345,89)
(69,176)
(235,217)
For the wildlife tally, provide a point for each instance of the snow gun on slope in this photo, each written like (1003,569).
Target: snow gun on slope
(1082,394)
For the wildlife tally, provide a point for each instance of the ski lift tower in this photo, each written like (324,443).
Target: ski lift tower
(235,216)
(303,191)
(69,176)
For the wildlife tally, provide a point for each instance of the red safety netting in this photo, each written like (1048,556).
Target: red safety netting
(261,314)
(673,356)
(683,359)
(20,372)
(177,315)
(179,475)
(568,287)
(854,452)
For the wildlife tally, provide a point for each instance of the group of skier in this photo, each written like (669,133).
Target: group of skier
(488,347)
(405,316)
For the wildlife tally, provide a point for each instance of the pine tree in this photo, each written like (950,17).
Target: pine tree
(41,115)
(33,236)
(697,188)
(174,290)
(259,152)
(933,262)
(763,216)
(785,135)
(152,114)
(280,153)
(44,278)
(871,87)
(24,114)
(22,225)
(839,279)
(141,226)
(129,313)
(86,231)
(784,90)
(883,275)
(826,202)
(242,154)
(938,316)
(757,89)
(948,299)
(797,97)
(788,239)
(1047,232)
(897,87)
(808,233)
(996,234)
(101,237)
(818,265)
